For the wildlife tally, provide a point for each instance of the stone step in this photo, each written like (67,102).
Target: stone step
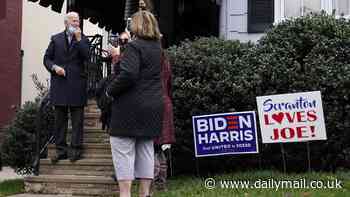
(91,130)
(91,107)
(98,156)
(92,136)
(88,149)
(71,185)
(87,155)
(91,120)
(92,115)
(89,167)
(90,139)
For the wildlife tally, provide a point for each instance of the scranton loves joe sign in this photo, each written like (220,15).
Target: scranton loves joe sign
(294,117)
(228,133)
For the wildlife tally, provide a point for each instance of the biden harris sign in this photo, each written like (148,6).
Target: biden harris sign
(224,134)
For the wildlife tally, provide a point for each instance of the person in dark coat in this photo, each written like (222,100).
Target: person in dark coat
(137,109)
(104,102)
(64,59)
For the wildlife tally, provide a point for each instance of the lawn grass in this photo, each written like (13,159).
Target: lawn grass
(190,186)
(194,186)
(11,187)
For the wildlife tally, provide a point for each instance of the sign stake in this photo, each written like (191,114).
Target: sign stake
(308,155)
(197,167)
(283,158)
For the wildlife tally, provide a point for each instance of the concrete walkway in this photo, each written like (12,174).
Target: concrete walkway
(38,195)
(8,173)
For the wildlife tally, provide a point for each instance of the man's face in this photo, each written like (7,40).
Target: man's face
(124,38)
(73,21)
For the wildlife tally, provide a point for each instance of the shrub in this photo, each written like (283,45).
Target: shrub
(18,149)
(203,83)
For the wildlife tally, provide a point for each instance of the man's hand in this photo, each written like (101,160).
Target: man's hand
(77,34)
(114,51)
(60,71)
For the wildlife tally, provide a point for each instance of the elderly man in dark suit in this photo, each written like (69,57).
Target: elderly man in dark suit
(64,59)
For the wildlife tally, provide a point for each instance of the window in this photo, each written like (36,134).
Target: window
(292,8)
(342,7)
(295,8)
(311,6)
(260,15)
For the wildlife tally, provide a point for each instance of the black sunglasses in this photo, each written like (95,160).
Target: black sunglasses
(123,41)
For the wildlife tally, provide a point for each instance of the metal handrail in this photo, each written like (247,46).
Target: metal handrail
(44,105)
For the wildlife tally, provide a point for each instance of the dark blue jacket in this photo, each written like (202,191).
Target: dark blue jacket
(71,89)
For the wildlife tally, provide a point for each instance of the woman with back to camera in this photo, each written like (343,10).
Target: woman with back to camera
(137,109)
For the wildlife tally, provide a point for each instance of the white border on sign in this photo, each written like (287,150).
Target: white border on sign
(220,114)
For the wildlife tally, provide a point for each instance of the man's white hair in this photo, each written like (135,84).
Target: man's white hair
(70,15)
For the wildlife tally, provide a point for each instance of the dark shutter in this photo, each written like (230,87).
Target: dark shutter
(260,15)
(2,9)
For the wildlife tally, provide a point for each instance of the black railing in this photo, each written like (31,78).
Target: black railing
(99,64)
(44,131)
(97,67)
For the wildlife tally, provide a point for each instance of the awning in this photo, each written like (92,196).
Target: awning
(56,5)
(110,15)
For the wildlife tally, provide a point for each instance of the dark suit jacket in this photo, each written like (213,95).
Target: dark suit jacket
(137,109)
(71,89)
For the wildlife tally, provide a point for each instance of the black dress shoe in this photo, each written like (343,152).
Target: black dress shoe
(56,158)
(75,155)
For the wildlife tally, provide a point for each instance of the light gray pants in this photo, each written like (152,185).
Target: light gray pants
(132,158)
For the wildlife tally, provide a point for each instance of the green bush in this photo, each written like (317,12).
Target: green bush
(303,54)
(204,82)
(18,149)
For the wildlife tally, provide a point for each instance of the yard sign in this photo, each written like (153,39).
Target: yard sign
(294,117)
(227,133)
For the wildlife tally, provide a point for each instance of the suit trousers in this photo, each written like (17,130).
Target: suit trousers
(61,127)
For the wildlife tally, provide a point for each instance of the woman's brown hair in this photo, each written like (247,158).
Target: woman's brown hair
(145,26)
